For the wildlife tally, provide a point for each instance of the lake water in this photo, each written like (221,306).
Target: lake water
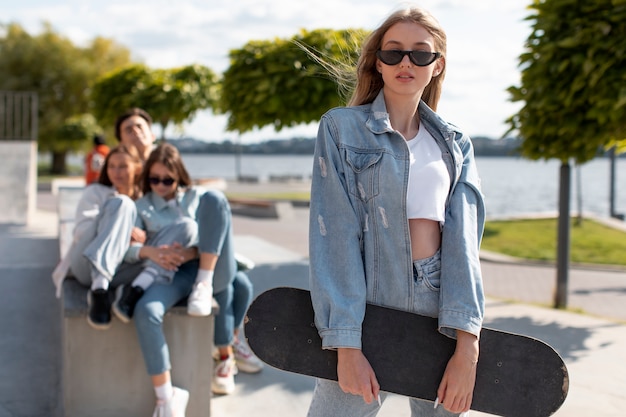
(511,185)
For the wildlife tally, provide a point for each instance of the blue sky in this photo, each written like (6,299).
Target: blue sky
(485,39)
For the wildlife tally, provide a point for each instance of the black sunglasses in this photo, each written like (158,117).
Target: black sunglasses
(167,181)
(419,58)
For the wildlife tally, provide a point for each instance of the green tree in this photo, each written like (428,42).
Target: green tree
(169,95)
(78,130)
(60,73)
(573,86)
(284,83)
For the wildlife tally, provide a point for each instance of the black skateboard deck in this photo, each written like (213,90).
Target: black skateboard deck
(517,376)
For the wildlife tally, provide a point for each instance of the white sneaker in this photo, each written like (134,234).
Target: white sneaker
(200,301)
(224,376)
(245,359)
(173,407)
(243,263)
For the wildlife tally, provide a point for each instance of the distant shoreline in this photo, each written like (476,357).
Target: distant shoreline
(483,147)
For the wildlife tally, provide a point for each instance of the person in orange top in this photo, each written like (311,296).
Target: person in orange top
(94,161)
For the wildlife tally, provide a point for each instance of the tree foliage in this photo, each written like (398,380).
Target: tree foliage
(169,95)
(61,74)
(574,93)
(573,81)
(79,129)
(284,83)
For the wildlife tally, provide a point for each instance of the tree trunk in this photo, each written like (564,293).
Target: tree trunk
(59,166)
(238,159)
(579,195)
(612,212)
(563,243)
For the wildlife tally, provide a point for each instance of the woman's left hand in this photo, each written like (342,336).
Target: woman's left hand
(138,235)
(456,389)
(186,254)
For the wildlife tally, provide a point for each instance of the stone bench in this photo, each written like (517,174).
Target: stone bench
(103,371)
(261,208)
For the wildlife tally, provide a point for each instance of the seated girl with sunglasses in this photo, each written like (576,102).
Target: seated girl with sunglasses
(175,213)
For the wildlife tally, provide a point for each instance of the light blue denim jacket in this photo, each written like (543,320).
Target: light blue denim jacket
(153,213)
(359,242)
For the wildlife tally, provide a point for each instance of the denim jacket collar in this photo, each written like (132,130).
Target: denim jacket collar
(160,203)
(378,120)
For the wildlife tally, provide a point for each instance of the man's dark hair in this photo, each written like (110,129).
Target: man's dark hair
(135,111)
(98,139)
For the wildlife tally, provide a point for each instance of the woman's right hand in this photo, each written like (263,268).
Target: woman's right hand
(165,256)
(356,375)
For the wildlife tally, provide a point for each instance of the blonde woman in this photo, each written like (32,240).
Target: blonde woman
(396,217)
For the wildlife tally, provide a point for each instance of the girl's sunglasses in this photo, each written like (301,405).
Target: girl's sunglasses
(419,58)
(167,181)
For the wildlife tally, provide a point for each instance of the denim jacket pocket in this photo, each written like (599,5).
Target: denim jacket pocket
(364,179)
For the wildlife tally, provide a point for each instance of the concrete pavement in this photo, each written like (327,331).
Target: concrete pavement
(590,336)
(593,344)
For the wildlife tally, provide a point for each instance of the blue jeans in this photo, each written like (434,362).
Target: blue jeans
(233,302)
(105,243)
(330,401)
(160,297)
(151,309)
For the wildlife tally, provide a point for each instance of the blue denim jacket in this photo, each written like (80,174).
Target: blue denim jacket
(359,242)
(153,213)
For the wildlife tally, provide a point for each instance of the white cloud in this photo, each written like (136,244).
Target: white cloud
(485,38)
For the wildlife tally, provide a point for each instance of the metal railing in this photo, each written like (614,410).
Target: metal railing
(18,115)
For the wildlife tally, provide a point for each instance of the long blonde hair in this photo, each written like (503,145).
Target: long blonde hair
(369,81)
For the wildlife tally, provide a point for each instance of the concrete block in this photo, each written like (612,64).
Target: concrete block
(18,181)
(104,373)
(261,208)
(67,201)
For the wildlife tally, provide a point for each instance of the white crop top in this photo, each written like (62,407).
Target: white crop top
(429,180)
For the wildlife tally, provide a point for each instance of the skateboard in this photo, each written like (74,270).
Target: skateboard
(517,376)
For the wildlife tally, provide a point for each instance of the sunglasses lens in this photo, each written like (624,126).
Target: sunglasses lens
(391,57)
(166,181)
(419,58)
(422,58)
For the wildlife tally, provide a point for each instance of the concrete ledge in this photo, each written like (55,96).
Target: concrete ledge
(104,373)
(57,184)
(18,181)
(261,208)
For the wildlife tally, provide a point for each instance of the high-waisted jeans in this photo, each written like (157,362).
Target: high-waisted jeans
(105,242)
(328,398)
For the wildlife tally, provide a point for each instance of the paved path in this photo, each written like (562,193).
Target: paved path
(593,344)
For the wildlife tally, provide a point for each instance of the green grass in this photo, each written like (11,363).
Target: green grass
(44,175)
(591,242)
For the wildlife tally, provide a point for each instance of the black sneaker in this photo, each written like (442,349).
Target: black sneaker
(126,298)
(99,315)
